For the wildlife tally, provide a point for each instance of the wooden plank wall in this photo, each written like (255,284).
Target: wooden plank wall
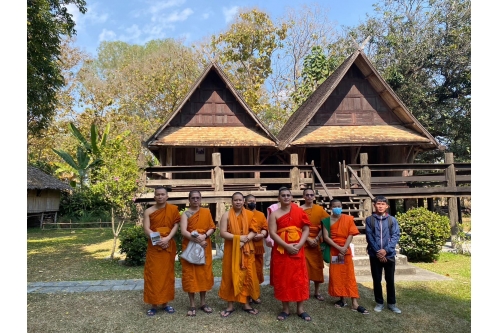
(45,201)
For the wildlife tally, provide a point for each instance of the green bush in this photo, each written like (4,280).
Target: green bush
(423,234)
(134,243)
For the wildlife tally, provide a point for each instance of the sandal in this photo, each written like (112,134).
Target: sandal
(251,311)
(151,312)
(340,304)
(205,308)
(319,297)
(304,316)
(191,312)
(169,309)
(256,301)
(361,310)
(226,313)
(282,316)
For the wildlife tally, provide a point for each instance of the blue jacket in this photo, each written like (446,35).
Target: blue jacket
(375,242)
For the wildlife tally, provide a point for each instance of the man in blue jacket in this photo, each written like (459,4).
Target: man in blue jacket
(382,236)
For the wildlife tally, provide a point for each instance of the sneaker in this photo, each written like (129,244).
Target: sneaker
(393,308)
(378,307)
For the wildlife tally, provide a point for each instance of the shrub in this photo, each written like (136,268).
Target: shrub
(423,233)
(134,243)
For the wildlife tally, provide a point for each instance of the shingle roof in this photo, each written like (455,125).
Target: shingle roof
(347,135)
(39,180)
(211,136)
(225,132)
(303,115)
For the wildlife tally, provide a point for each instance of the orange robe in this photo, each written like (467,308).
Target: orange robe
(259,245)
(239,277)
(289,272)
(159,275)
(314,256)
(342,281)
(196,278)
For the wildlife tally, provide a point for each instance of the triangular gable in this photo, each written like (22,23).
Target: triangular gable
(354,105)
(213,109)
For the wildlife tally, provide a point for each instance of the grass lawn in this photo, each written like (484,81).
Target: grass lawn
(439,306)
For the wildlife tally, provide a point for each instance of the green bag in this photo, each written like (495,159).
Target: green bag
(325,248)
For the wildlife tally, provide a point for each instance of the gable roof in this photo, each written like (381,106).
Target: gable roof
(410,131)
(39,180)
(212,136)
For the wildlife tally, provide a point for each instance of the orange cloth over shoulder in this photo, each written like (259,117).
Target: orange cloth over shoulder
(197,278)
(314,256)
(159,277)
(259,245)
(342,280)
(239,277)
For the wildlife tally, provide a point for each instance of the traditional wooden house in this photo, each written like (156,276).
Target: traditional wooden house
(353,111)
(44,194)
(212,118)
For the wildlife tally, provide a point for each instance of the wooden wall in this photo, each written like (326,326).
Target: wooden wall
(354,102)
(212,104)
(43,201)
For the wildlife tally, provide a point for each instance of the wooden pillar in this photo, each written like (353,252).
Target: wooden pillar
(218,180)
(169,161)
(459,205)
(366,177)
(452,201)
(430,204)
(294,172)
(256,161)
(393,207)
(420,202)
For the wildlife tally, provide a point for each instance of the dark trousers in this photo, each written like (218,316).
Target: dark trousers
(389,268)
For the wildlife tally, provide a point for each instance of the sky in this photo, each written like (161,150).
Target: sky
(139,21)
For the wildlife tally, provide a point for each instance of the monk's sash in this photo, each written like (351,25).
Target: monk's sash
(294,235)
(313,231)
(235,230)
(193,221)
(164,232)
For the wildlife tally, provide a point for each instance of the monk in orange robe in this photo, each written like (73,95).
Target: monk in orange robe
(342,281)
(159,276)
(314,256)
(197,278)
(289,228)
(258,240)
(239,278)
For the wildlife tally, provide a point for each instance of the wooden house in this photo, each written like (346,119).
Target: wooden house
(354,111)
(44,194)
(212,118)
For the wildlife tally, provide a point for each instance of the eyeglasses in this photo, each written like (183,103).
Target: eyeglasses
(285,195)
(309,195)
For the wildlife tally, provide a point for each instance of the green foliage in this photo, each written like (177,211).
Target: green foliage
(134,243)
(84,205)
(48,23)
(423,233)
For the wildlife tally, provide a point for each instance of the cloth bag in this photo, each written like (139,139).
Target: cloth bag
(194,253)
(325,248)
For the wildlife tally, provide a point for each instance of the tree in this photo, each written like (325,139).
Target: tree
(48,22)
(422,48)
(245,51)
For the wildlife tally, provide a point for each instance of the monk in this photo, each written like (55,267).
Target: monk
(258,240)
(239,277)
(289,228)
(314,256)
(159,276)
(197,278)
(342,281)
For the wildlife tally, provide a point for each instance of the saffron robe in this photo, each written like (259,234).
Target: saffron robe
(289,272)
(197,278)
(314,256)
(342,281)
(239,276)
(259,245)
(159,274)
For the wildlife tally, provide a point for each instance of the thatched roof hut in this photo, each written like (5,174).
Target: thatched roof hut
(44,192)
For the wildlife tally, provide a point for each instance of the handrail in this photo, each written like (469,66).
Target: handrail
(322,182)
(361,183)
